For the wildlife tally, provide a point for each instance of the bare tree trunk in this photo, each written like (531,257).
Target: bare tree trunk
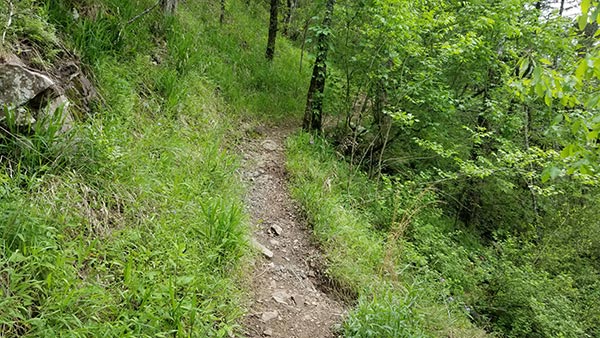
(287,20)
(272,30)
(382,121)
(169,6)
(222,16)
(303,43)
(314,100)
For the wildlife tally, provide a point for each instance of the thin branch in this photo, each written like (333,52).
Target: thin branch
(10,15)
(146,11)
(143,13)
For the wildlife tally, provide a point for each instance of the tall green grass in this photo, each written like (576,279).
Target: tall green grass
(129,224)
(400,293)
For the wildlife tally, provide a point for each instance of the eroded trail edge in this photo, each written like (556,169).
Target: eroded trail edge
(287,300)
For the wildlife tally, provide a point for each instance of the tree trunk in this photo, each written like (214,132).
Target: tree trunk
(314,101)
(272,30)
(383,123)
(470,201)
(222,16)
(287,20)
(169,6)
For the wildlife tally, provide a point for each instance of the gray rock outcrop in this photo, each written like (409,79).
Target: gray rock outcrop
(30,94)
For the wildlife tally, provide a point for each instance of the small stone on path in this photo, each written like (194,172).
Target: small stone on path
(277,230)
(281,296)
(269,315)
(270,145)
(299,300)
(268,253)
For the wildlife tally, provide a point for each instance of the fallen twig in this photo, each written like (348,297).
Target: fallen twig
(146,11)
(143,13)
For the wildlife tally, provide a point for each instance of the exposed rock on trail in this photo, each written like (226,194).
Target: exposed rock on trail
(287,301)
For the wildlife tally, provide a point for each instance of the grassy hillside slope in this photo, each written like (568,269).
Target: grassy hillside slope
(129,224)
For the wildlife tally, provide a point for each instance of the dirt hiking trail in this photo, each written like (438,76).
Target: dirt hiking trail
(289,296)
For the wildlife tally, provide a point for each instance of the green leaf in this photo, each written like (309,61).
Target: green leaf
(548,99)
(578,126)
(550,173)
(523,67)
(592,102)
(585,169)
(582,21)
(545,176)
(581,69)
(554,172)
(595,13)
(567,151)
(557,119)
(585,6)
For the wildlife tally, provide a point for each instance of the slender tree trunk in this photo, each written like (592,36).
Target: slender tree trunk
(272,30)
(530,181)
(314,100)
(287,20)
(222,16)
(562,7)
(383,123)
(169,6)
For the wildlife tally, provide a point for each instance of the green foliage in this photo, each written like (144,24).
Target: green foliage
(529,302)
(388,314)
(399,295)
(128,224)
(460,200)
(417,272)
(491,110)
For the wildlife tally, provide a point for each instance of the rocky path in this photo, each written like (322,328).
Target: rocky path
(287,299)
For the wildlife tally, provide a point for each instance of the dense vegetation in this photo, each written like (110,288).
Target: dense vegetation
(469,132)
(454,186)
(128,224)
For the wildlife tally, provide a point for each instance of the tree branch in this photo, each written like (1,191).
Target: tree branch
(132,20)
(143,13)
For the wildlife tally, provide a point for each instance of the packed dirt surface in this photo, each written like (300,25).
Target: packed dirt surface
(289,297)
